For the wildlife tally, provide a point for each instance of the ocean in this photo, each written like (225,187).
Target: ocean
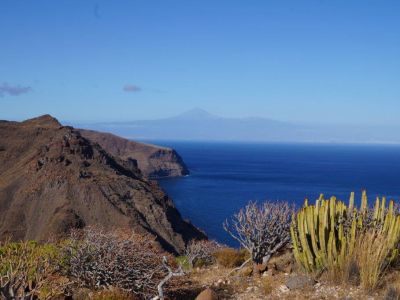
(225,176)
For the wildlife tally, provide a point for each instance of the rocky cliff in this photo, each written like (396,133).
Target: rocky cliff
(154,161)
(53,179)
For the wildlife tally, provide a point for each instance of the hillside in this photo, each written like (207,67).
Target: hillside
(154,161)
(52,179)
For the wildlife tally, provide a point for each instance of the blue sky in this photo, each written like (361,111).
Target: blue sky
(308,61)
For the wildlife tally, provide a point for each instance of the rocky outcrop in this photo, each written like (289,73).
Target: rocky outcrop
(53,179)
(154,161)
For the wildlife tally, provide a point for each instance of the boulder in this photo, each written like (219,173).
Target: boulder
(299,281)
(281,263)
(207,294)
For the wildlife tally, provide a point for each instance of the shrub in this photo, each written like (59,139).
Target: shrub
(266,285)
(261,229)
(124,260)
(28,271)
(231,258)
(372,252)
(184,262)
(200,252)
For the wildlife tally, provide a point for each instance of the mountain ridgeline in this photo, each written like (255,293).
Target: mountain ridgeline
(154,161)
(53,178)
(198,124)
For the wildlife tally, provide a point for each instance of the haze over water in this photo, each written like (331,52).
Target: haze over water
(225,176)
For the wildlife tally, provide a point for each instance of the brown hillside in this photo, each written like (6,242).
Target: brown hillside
(53,179)
(154,161)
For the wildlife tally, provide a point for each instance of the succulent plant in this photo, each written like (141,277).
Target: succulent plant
(325,233)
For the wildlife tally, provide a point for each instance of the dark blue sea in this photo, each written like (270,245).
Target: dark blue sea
(225,176)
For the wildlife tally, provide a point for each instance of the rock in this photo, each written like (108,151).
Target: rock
(219,283)
(283,289)
(299,281)
(270,272)
(259,268)
(207,294)
(282,262)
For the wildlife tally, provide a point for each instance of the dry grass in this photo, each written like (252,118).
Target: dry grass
(365,265)
(267,285)
(346,272)
(230,258)
(371,253)
(113,294)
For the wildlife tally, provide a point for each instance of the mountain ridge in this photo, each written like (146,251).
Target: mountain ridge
(53,179)
(154,161)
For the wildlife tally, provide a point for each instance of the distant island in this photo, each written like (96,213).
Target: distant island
(198,124)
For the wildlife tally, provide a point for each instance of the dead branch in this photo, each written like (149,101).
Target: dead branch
(170,274)
(261,229)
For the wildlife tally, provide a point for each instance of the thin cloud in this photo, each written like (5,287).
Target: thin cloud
(96,11)
(16,90)
(131,88)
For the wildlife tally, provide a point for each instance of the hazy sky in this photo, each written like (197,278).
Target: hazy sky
(335,61)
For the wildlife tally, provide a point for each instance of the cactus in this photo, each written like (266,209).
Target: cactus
(324,234)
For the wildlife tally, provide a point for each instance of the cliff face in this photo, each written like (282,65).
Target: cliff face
(52,179)
(154,161)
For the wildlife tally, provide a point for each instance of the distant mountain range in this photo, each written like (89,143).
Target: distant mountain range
(198,124)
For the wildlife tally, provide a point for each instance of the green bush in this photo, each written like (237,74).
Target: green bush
(184,262)
(28,270)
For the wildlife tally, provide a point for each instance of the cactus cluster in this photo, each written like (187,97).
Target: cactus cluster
(324,234)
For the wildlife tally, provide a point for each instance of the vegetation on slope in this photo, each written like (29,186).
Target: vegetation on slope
(322,250)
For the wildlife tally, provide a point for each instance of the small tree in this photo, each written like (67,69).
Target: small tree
(201,249)
(261,229)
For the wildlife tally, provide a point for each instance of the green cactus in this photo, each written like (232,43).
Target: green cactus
(325,233)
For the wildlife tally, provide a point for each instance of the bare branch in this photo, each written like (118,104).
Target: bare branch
(125,260)
(261,229)
(170,274)
(201,249)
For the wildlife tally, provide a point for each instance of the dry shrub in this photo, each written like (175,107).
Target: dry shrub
(28,271)
(231,258)
(371,253)
(261,229)
(200,252)
(344,271)
(123,260)
(246,271)
(366,264)
(266,285)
